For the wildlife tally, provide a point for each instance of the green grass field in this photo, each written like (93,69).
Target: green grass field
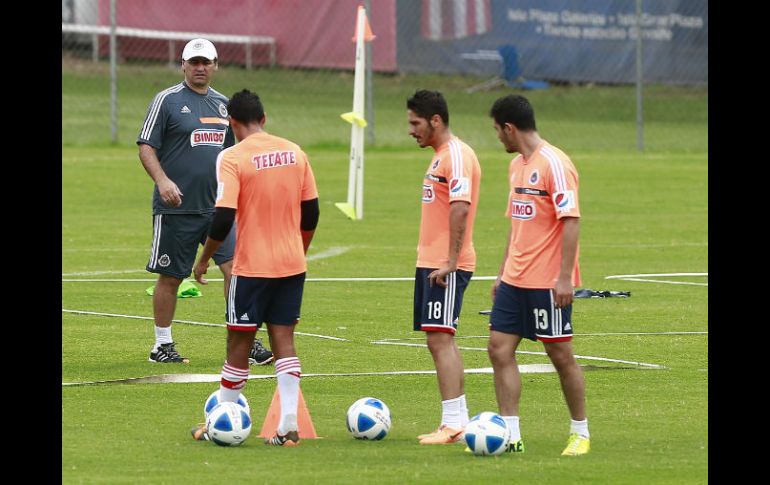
(641,213)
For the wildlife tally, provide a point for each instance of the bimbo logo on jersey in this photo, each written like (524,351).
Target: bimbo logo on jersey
(427,193)
(207,137)
(522,209)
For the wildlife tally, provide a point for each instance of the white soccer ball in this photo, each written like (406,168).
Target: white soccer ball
(213,400)
(487,434)
(228,424)
(368,419)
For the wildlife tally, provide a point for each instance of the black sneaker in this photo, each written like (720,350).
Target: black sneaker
(167,353)
(259,355)
(291,438)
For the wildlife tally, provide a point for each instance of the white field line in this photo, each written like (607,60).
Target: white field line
(407,278)
(187,378)
(664,281)
(643,278)
(586,357)
(603,334)
(97,273)
(123,280)
(671,245)
(410,278)
(206,324)
(653,274)
(329,253)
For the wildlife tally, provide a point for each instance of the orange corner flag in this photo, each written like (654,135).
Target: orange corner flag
(368,36)
(273,417)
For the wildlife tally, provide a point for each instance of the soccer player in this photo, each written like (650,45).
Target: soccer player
(533,293)
(266,185)
(185,129)
(446,258)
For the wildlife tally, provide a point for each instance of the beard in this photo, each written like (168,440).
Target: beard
(423,141)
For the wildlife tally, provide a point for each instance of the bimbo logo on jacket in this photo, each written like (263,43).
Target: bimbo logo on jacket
(207,137)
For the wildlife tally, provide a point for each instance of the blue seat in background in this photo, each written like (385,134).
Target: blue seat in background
(511,72)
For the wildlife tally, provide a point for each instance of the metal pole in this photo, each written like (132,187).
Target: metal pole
(369,90)
(113,72)
(639,79)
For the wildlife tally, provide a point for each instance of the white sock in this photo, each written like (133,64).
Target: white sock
(233,380)
(513,425)
(287,372)
(228,395)
(162,336)
(579,427)
(463,411)
(451,412)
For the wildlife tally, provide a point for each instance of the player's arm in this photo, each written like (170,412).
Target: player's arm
(309,220)
(224,217)
(564,292)
(169,192)
(458,218)
(500,272)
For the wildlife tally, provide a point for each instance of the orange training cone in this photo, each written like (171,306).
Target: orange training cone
(273,417)
(368,36)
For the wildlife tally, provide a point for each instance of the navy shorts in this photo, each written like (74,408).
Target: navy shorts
(252,301)
(437,309)
(175,241)
(531,314)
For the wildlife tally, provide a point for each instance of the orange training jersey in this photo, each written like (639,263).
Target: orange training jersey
(544,189)
(265,178)
(454,174)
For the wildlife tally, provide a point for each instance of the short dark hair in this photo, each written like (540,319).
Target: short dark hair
(514,109)
(246,107)
(426,103)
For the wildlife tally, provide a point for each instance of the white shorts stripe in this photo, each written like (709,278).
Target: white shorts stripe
(556,320)
(445,303)
(231,318)
(449,298)
(156,227)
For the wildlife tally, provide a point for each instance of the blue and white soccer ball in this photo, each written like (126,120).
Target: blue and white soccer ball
(368,419)
(487,434)
(213,400)
(228,424)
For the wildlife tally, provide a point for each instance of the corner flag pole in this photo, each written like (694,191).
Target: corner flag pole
(354,206)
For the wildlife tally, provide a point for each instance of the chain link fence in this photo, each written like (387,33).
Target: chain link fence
(618,74)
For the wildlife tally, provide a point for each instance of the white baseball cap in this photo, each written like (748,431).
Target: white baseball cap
(199,48)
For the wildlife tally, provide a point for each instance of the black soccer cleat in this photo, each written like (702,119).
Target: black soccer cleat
(167,353)
(259,355)
(291,438)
